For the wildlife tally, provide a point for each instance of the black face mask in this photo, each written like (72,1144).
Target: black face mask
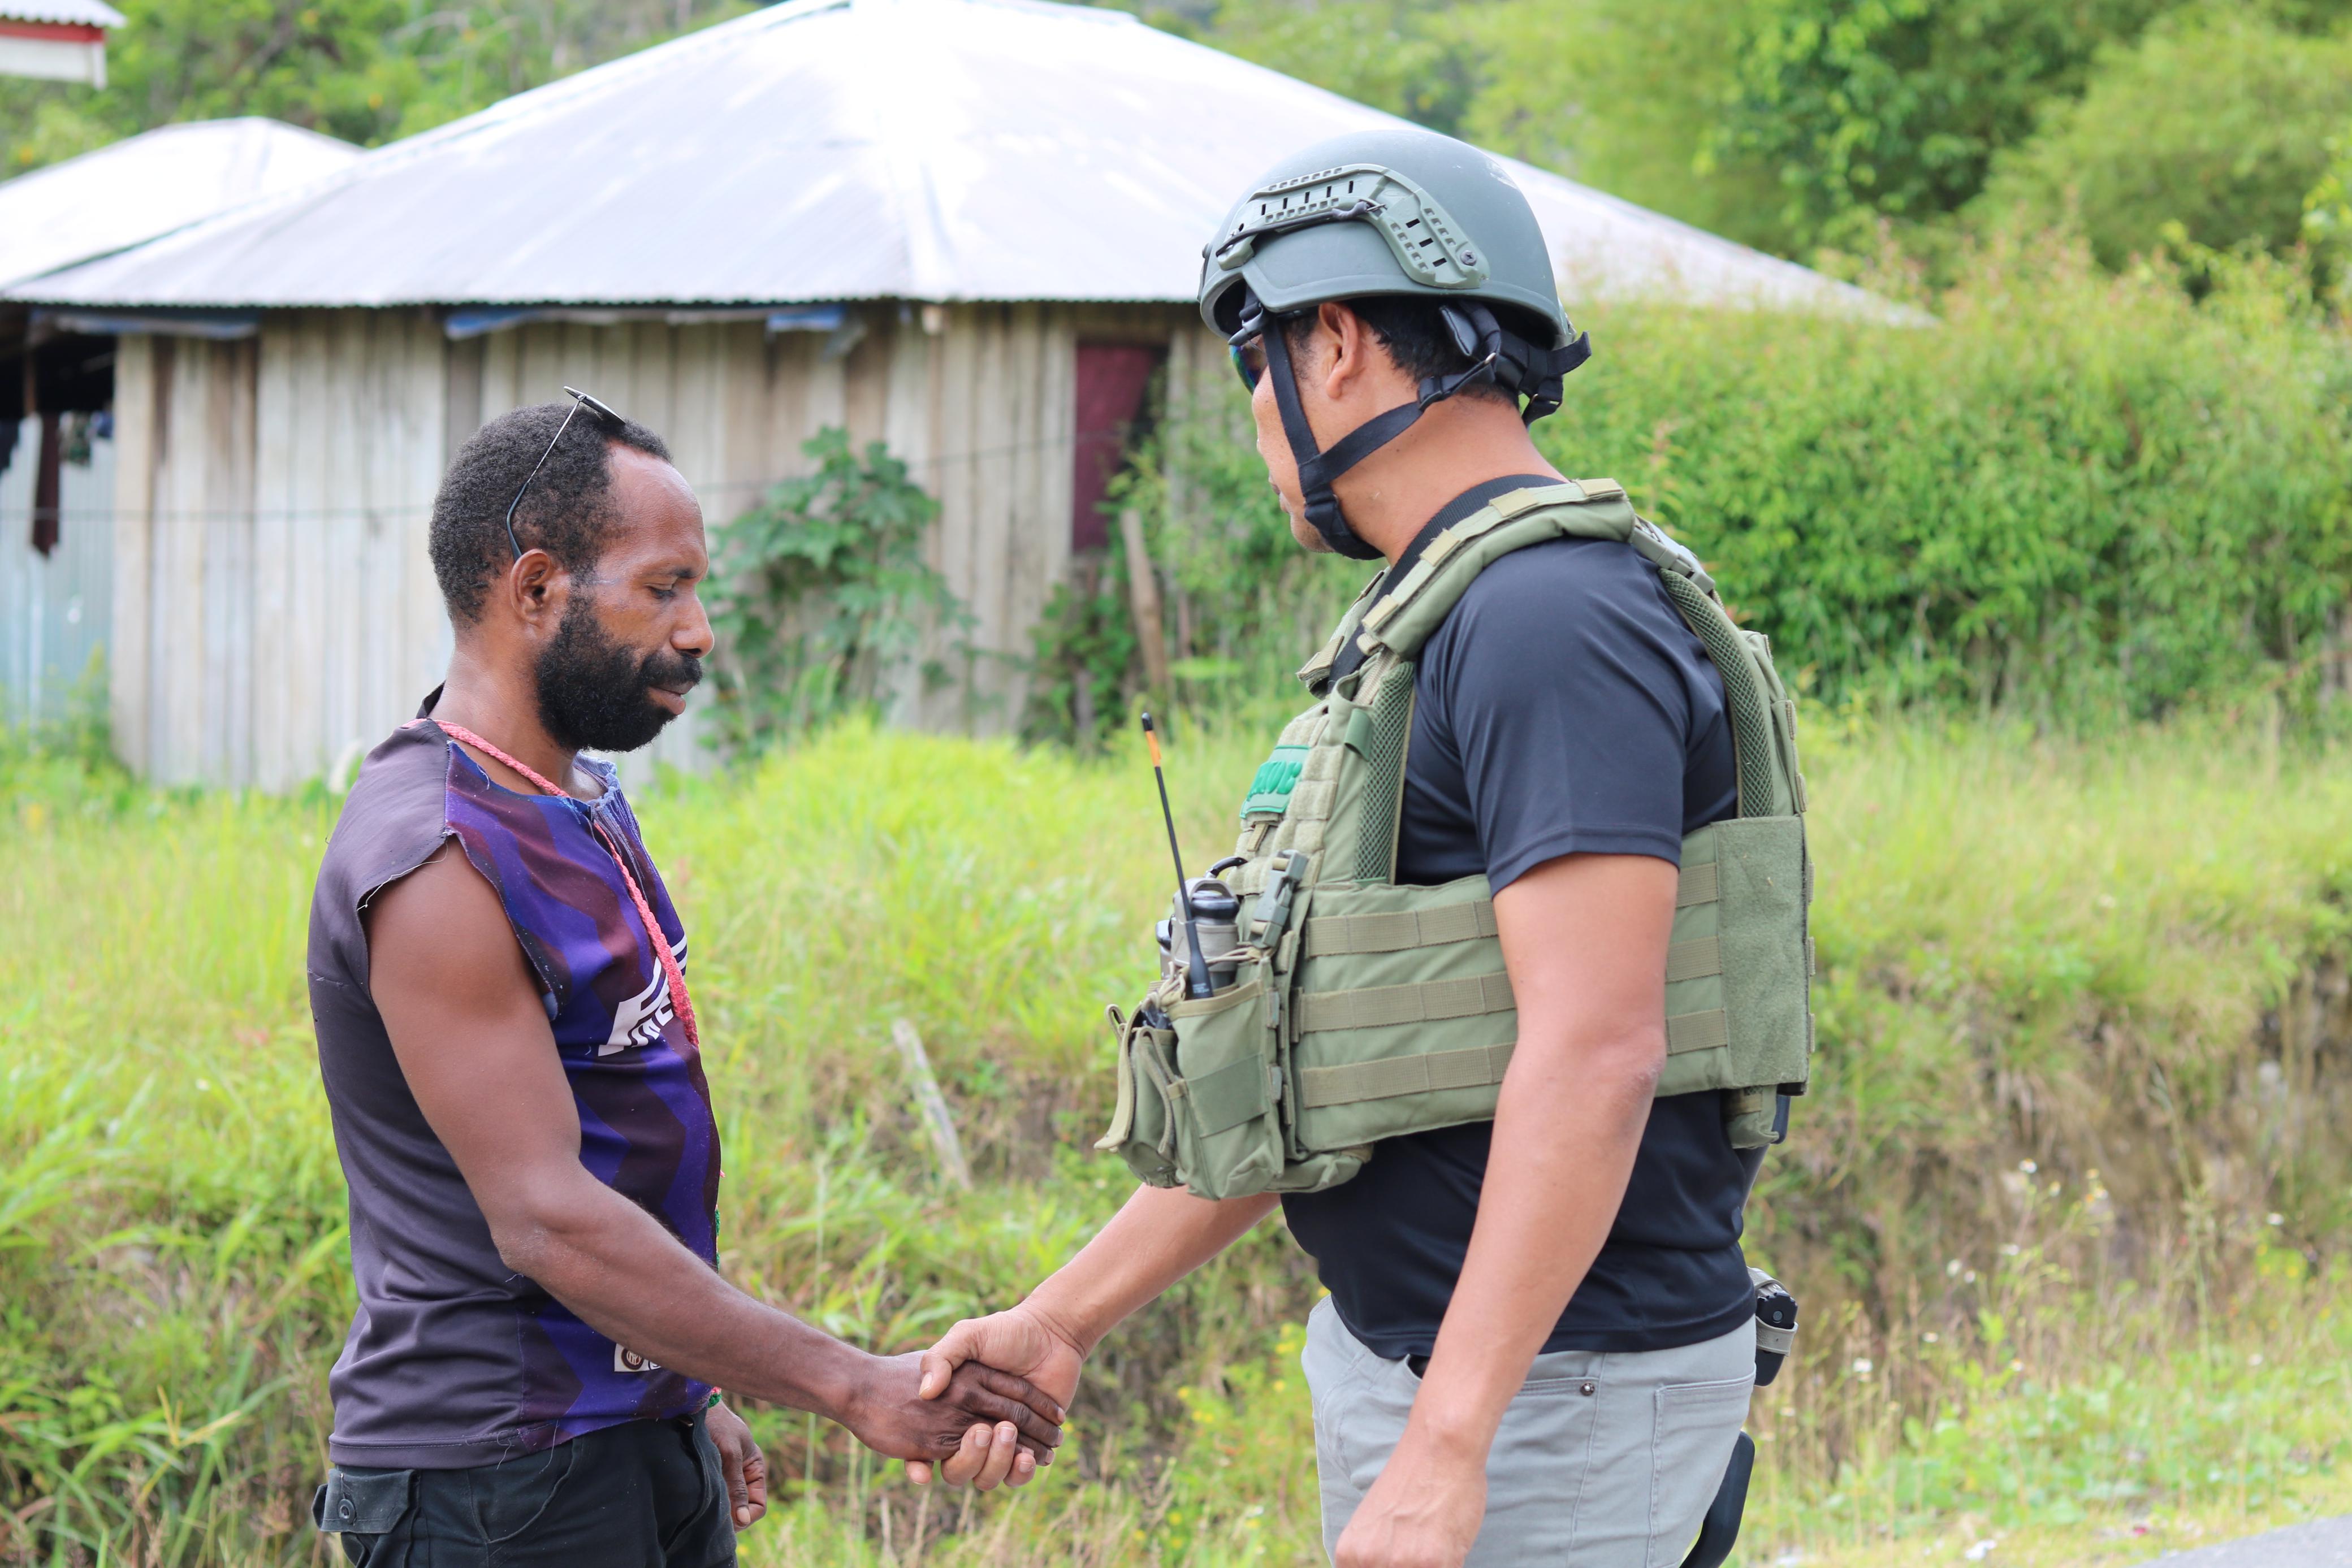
(591,690)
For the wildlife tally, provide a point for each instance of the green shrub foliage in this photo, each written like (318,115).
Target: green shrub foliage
(825,595)
(2080,498)
(2214,130)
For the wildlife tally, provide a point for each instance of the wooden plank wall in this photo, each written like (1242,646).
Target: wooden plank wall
(54,609)
(275,611)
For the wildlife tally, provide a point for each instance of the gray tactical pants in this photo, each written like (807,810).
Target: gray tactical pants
(1602,1461)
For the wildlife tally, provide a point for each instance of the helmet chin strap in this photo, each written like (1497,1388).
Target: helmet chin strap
(1496,355)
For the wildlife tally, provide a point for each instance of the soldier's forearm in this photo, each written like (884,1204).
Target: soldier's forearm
(1156,1238)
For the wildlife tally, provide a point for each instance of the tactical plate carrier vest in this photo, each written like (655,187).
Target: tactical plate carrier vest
(1362,1009)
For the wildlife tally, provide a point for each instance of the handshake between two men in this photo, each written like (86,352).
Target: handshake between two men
(1540,1337)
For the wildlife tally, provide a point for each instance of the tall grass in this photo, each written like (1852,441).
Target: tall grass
(2083,1028)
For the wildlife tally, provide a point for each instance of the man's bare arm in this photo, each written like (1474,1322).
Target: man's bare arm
(1584,939)
(473,1041)
(1156,1238)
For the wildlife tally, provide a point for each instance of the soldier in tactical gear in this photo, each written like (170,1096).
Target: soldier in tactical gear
(1519,985)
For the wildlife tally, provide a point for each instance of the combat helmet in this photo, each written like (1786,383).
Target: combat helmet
(1392,212)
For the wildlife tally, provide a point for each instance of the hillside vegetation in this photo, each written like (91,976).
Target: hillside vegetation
(2069,1165)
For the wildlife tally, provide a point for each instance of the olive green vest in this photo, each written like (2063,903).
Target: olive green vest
(1364,1009)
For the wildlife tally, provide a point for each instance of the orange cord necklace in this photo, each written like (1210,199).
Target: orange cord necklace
(668,959)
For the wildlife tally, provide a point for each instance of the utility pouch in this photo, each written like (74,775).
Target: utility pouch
(362,1502)
(1143,1128)
(1198,1095)
(1223,1101)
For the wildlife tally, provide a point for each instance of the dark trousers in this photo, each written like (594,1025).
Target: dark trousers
(644,1494)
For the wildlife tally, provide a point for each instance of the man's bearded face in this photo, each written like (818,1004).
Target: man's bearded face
(593,689)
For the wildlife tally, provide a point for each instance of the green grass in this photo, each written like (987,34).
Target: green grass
(2122,963)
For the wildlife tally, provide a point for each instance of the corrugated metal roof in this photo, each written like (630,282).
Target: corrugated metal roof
(151,184)
(934,149)
(88,12)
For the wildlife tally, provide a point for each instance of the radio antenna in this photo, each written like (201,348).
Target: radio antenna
(1196,967)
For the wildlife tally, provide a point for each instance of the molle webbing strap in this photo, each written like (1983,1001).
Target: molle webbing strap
(1428,1001)
(1389,725)
(1743,691)
(1694,960)
(1697,1031)
(1396,930)
(1470,996)
(1314,675)
(1472,1067)
(1399,929)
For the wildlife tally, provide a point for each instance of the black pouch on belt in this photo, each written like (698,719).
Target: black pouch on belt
(362,1502)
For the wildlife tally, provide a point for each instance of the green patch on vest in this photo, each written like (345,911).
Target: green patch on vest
(1269,791)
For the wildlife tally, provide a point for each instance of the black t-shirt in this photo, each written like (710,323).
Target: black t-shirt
(1562,708)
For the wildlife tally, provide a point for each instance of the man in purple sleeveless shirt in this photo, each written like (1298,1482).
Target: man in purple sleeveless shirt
(519,1099)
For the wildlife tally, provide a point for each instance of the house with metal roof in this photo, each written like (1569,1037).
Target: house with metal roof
(55,40)
(56,385)
(968,228)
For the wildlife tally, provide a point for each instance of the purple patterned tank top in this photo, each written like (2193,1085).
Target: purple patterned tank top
(453,1360)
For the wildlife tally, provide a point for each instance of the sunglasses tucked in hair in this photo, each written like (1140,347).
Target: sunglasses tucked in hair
(580,400)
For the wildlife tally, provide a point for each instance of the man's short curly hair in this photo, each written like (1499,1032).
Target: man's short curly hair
(1409,328)
(568,512)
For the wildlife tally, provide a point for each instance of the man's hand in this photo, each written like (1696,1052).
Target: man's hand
(898,1414)
(1023,1342)
(1424,1512)
(742,1463)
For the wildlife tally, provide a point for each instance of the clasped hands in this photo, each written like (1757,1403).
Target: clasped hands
(1424,1512)
(894,1406)
(1019,1348)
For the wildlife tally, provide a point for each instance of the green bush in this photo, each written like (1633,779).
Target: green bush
(2213,131)
(2080,498)
(825,594)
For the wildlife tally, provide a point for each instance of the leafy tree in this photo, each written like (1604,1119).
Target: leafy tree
(1408,56)
(1790,124)
(1625,95)
(1870,109)
(2213,131)
(366,70)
